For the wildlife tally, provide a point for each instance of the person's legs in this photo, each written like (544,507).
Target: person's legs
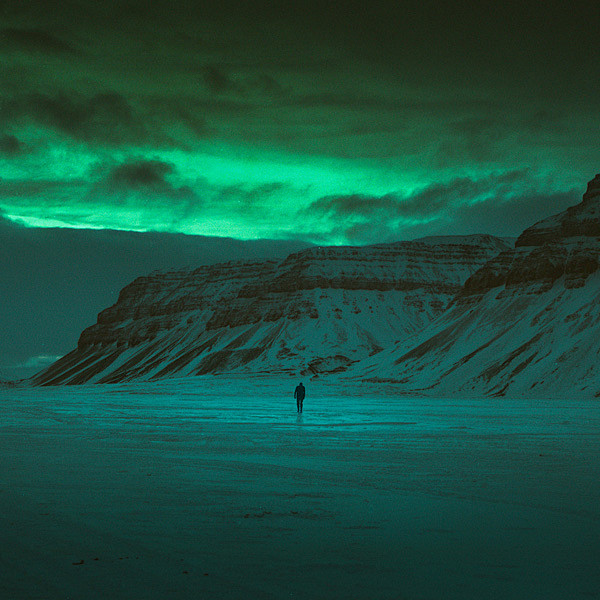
(299,404)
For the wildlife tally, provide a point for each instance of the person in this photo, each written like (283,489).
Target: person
(299,394)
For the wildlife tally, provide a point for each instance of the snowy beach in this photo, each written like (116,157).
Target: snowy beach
(217,488)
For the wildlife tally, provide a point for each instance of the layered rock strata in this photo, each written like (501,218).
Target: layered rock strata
(317,311)
(526,323)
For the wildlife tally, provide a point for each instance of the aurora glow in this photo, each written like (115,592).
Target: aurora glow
(278,123)
(260,122)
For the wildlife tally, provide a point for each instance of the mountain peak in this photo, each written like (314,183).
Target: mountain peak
(593,189)
(579,221)
(524,324)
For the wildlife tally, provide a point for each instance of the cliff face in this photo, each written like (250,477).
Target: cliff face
(319,310)
(525,323)
(564,246)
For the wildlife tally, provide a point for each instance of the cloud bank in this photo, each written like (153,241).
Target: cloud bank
(238,99)
(501,204)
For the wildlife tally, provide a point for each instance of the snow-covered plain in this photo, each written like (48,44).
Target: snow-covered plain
(216,488)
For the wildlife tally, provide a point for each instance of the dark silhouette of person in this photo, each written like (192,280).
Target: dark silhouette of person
(299,394)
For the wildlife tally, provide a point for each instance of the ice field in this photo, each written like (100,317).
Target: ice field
(216,488)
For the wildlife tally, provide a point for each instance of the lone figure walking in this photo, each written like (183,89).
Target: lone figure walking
(299,394)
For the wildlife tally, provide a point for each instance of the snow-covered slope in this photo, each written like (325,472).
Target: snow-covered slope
(318,310)
(526,323)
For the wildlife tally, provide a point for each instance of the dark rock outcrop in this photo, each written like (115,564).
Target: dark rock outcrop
(565,246)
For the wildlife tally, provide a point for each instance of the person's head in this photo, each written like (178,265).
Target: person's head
(300,383)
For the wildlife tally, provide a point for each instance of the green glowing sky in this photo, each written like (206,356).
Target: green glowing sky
(326,122)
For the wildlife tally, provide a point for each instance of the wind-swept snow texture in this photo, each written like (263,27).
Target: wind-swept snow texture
(317,311)
(213,488)
(527,323)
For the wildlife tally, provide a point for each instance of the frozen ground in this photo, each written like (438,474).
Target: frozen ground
(209,489)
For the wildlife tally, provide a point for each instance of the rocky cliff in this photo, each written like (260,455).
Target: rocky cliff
(317,311)
(526,323)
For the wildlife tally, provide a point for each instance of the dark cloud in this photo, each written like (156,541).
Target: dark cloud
(352,101)
(355,205)
(34,40)
(473,138)
(411,65)
(40,192)
(141,182)
(164,113)
(503,217)
(10,145)
(108,118)
(105,117)
(266,85)
(357,100)
(439,197)
(544,120)
(136,185)
(370,231)
(497,134)
(501,204)
(249,196)
(141,173)
(219,83)
(427,202)
(477,126)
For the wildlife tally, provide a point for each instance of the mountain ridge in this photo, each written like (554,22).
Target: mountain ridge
(524,324)
(450,315)
(318,310)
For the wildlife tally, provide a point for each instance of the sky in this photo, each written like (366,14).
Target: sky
(306,122)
